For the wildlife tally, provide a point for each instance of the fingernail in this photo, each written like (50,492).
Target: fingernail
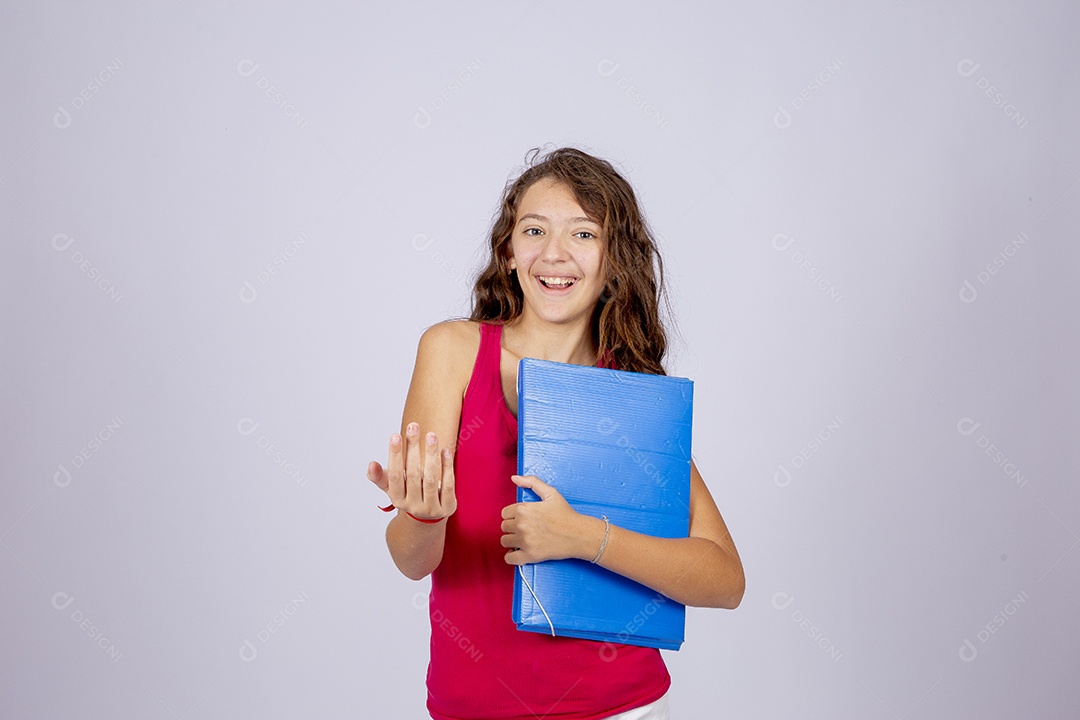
(431,438)
(395,439)
(412,429)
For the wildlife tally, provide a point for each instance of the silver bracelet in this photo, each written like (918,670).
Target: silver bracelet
(607,528)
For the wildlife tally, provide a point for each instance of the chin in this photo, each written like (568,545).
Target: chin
(561,316)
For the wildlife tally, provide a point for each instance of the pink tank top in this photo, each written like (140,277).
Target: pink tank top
(481,665)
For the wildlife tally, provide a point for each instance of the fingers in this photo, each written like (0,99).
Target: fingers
(395,475)
(413,466)
(418,478)
(448,496)
(510,539)
(432,471)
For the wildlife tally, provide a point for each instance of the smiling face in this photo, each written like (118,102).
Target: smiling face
(558,254)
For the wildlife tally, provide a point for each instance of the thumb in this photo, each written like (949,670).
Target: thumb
(535,484)
(376,475)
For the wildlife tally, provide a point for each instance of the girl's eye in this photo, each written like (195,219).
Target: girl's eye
(582,234)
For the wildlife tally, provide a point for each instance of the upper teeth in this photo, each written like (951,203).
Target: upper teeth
(556,280)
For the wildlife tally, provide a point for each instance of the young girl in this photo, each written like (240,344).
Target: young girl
(571,278)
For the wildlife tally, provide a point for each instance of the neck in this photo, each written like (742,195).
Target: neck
(529,336)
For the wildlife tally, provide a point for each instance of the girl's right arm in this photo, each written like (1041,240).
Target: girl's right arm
(419,479)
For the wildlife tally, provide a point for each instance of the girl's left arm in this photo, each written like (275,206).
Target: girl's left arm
(702,570)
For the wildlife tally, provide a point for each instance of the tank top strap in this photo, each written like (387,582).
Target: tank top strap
(484,397)
(486,379)
(491,344)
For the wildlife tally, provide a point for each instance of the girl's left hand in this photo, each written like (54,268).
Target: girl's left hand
(545,530)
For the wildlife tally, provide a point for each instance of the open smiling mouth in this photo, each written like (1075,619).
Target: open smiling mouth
(554,282)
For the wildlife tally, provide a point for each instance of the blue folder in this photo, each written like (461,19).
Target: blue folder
(613,443)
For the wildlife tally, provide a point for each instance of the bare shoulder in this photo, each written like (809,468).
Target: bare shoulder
(438,381)
(452,346)
(452,338)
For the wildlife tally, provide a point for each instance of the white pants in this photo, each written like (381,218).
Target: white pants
(653,711)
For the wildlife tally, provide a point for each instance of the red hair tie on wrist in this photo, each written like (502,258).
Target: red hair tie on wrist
(426,521)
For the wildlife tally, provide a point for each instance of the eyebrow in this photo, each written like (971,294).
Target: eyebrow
(541,217)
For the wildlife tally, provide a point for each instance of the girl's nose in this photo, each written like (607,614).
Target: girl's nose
(554,247)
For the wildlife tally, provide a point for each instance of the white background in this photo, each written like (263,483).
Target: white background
(225,226)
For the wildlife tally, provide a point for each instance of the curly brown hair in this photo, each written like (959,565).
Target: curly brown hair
(626,325)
